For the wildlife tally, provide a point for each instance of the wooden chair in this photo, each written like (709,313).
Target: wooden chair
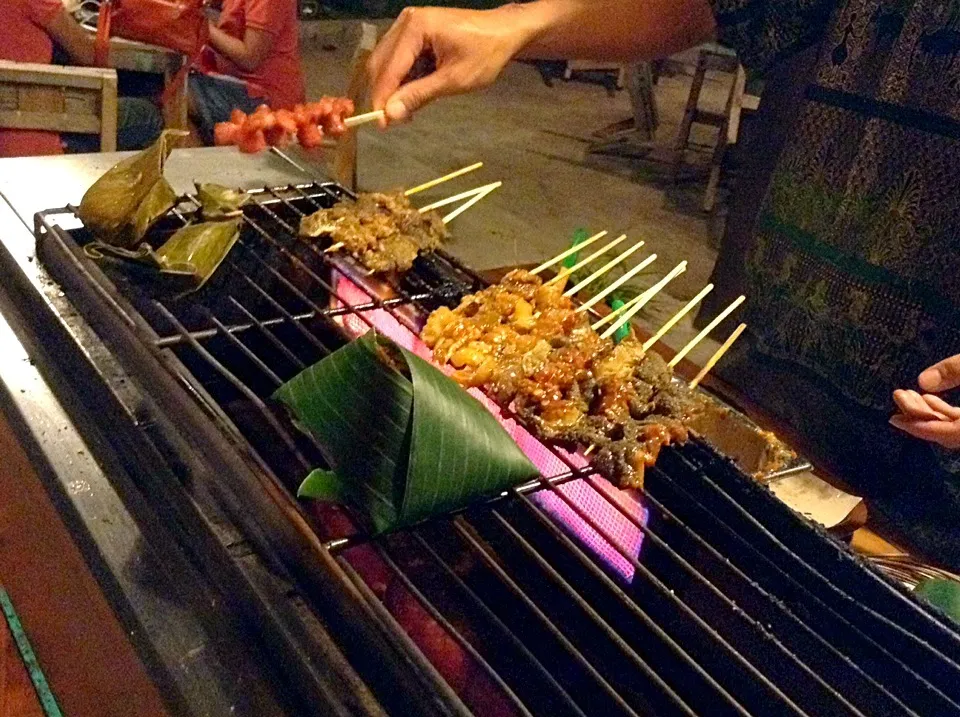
(727,122)
(80,100)
(632,137)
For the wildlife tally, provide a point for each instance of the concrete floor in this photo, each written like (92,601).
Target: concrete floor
(533,137)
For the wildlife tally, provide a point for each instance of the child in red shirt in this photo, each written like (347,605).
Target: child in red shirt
(256,44)
(28,31)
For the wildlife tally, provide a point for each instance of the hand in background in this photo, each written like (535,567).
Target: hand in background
(928,416)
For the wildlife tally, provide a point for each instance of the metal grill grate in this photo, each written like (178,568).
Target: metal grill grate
(705,597)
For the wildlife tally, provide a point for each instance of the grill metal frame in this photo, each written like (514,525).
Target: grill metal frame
(280,527)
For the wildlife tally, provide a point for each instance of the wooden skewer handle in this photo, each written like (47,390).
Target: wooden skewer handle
(572,250)
(649,344)
(440,180)
(597,298)
(470,202)
(678,357)
(457,197)
(717,355)
(564,273)
(364,118)
(625,317)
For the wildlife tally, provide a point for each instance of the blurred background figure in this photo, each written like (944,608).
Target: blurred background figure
(253,58)
(30,31)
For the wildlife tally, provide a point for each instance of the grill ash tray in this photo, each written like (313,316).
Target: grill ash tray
(701,595)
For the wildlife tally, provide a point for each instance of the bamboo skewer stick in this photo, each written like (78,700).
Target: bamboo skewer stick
(572,250)
(364,118)
(440,180)
(583,262)
(676,317)
(647,296)
(602,270)
(616,312)
(475,194)
(616,285)
(462,195)
(470,202)
(706,330)
(717,355)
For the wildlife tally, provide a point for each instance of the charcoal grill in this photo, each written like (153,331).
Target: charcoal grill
(705,595)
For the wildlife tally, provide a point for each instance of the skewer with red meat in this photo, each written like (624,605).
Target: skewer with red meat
(267,128)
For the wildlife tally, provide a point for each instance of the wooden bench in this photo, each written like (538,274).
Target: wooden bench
(81,100)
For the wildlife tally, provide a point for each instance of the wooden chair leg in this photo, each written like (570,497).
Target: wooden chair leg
(638,79)
(726,137)
(735,104)
(108,115)
(713,181)
(344,164)
(693,100)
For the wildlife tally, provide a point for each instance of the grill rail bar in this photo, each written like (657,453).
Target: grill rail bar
(769,653)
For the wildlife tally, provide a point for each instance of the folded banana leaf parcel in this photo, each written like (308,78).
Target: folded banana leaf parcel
(132,196)
(404,441)
(190,256)
(124,203)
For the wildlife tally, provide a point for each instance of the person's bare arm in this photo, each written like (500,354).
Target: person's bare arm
(247,54)
(614,29)
(470,47)
(75,41)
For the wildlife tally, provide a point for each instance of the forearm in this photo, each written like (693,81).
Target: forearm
(234,49)
(610,29)
(75,41)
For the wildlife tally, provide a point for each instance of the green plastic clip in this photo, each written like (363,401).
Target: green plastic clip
(579,237)
(624,331)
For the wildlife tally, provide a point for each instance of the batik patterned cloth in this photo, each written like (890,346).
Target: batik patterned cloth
(854,272)
(852,265)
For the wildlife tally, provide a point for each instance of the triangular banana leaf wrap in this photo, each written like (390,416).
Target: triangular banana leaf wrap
(125,202)
(405,442)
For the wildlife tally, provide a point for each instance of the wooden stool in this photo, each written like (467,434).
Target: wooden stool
(727,122)
(633,136)
(593,66)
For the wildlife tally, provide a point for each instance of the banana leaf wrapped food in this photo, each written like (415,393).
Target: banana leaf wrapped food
(125,202)
(193,253)
(404,441)
(219,202)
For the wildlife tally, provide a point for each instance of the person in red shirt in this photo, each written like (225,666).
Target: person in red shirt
(29,30)
(256,47)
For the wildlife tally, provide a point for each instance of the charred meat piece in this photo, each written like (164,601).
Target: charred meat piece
(384,232)
(524,343)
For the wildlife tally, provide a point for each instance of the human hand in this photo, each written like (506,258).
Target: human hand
(468,50)
(927,416)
